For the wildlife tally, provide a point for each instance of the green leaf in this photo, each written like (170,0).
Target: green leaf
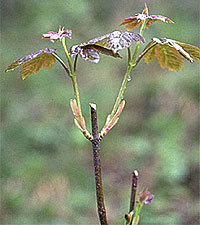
(193,51)
(169,53)
(151,53)
(33,62)
(168,57)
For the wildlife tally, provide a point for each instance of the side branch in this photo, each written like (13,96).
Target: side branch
(97,166)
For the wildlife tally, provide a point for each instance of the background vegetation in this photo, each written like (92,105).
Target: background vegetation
(46,164)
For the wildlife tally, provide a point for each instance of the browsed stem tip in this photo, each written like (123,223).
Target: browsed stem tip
(92,105)
(136,173)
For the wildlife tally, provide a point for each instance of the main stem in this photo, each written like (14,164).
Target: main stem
(97,166)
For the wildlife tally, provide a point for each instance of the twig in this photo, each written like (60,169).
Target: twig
(144,52)
(61,62)
(133,193)
(97,166)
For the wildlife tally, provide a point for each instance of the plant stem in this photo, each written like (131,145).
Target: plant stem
(131,66)
(76,91)
(133,193)
(133,190)
(61,62)
(75,63)
(144,52)
(138,209)
(67,54)
(72,76)
(97,166)
(122,89)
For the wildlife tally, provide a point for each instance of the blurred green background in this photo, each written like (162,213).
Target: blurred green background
(47,165)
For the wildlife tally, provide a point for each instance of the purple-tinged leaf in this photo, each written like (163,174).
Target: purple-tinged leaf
(136,20)
(118,41)
(108,44)
(33,62)
(55,36)
(90,54)
(154,18)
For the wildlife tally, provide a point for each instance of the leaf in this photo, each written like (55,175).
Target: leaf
(168,57)
(154,18)
(103,50)
(90,54)
(169,53)
(101,41)
(136,20)
(33,62)
(49,61)
(118,41)
(108,44)
(193,51)
(55,36)
(148,57)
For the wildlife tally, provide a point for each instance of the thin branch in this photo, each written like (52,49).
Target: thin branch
(127,76)
(144,52)
(129,55)
(120,95)
(76,92)
(130,217)
(67,54)
(97,166)
(75,63)
(61,62)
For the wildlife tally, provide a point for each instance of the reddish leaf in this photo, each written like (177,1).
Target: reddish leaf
(49,61)
(137,19)
(145,10)
(55,36)
(33,62)
(154,18)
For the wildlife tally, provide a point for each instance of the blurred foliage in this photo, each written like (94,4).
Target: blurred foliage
(46,164)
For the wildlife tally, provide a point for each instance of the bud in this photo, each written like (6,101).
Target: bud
(145,196)
(111,122)
(79,120)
